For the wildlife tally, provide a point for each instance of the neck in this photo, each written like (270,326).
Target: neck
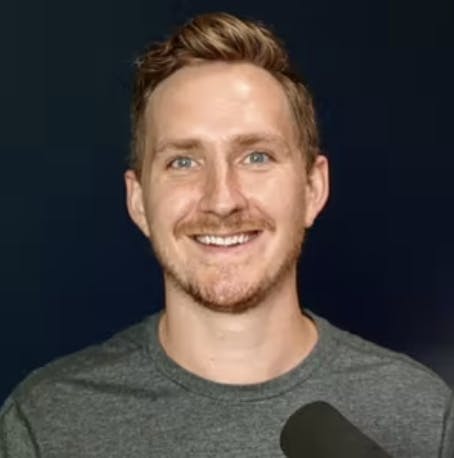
(252,347)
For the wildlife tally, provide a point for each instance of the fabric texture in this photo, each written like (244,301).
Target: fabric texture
(127,398)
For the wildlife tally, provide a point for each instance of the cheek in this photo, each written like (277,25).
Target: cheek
(279,195)
(168,204)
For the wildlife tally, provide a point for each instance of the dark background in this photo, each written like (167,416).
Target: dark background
(379,262)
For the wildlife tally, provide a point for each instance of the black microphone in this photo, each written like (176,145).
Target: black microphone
(318,430)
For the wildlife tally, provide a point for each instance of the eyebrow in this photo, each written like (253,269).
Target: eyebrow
(248,139)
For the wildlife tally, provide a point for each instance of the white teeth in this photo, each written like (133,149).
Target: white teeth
(223,241)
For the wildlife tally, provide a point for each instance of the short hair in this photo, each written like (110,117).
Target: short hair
(220,37)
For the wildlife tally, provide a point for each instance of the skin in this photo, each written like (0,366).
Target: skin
(222,158)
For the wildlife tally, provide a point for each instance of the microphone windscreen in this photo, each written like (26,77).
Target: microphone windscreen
(318,430)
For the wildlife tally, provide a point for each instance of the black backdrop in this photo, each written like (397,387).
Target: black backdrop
(379,262)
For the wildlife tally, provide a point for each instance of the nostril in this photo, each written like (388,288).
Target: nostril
(223,200)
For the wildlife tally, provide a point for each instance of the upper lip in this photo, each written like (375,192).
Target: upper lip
(230,234)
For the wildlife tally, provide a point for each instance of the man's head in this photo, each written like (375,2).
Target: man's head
(226,176)
(212,38)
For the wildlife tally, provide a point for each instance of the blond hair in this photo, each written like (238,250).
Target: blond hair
(220,37)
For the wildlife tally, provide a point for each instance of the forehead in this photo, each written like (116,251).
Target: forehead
(216,101)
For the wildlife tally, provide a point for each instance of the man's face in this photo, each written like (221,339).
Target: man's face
(224,196)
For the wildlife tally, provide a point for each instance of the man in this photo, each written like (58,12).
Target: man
(225,178)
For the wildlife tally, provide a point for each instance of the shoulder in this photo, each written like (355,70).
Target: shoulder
(389,374)
(69,401)
(101,364)
(390,395)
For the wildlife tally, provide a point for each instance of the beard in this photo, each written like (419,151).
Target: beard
(219,287)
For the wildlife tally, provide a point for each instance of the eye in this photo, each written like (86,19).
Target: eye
(182,162)
(257,157)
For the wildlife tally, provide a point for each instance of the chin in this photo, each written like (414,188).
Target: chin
(230,289)
(230,302)
(231,296)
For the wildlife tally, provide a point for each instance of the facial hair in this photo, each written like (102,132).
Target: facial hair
(234,297)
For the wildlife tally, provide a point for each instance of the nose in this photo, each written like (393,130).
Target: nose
(222,194)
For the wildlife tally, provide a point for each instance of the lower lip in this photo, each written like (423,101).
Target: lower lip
(233,249)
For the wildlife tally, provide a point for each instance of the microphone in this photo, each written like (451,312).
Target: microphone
(318,430)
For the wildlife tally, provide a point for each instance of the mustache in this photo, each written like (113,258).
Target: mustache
(233,223)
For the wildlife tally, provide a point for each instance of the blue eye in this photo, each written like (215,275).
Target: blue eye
(257,157)
(182,163)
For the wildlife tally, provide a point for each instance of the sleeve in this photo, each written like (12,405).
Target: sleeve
(447,446)
(16,438)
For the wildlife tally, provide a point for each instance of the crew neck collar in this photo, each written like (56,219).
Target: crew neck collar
(322,350)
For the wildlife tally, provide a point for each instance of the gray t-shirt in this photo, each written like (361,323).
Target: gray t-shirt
(127,398)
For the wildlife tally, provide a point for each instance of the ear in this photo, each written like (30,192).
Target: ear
(317,189)
(134,201)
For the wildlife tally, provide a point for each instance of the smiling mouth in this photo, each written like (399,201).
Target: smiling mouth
(232,240)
